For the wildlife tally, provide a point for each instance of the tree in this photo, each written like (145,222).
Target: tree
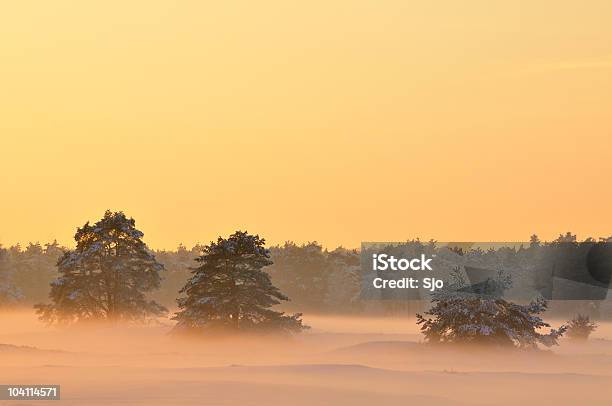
(35,268)
(106,277)
(580,328)
(567,238)
(230,291)
(9,293)
(344,280)
(534,241)
(176,265)
(302,271)
(485,318)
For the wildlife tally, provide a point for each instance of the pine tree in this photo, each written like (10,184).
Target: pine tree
(230,291)
(106,276)
(485,318)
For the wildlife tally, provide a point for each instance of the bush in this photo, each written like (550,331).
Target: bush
(580,327)
(486,318)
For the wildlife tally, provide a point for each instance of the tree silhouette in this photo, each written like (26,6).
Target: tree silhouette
(230,291)
(106,276)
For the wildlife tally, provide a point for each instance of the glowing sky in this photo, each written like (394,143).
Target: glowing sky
(336,121)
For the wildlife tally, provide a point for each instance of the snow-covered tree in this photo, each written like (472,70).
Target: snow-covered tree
(106,277)
(580,328)
(461,316)
(230,291)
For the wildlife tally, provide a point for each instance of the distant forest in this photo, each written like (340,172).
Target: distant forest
(315,279)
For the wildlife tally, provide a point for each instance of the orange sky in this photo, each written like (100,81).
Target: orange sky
(336,121)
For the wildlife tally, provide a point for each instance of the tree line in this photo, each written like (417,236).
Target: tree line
(235,282)
(315,279)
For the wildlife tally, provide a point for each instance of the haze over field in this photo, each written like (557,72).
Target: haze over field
(343,361)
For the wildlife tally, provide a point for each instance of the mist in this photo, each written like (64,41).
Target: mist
(341,360)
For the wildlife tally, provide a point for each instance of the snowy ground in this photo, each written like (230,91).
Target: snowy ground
(342,361)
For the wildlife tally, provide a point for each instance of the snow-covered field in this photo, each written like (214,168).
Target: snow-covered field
(341,361)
